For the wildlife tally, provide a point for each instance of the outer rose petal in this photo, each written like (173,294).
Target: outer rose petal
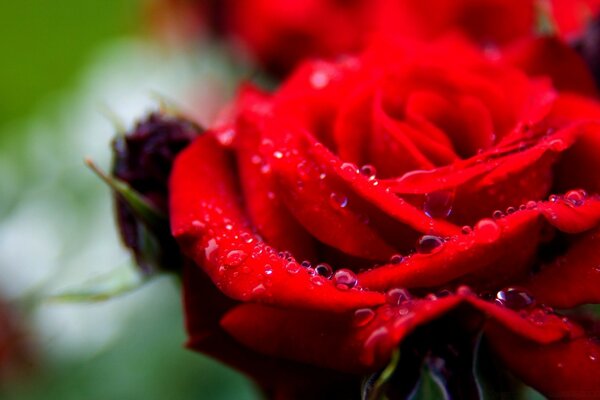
(550,56)
(573,279)
(208,224)
(205,306)
(479,258)
(569,369)
(335,341)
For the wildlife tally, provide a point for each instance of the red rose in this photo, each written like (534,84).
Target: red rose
(340,218)
(281,33)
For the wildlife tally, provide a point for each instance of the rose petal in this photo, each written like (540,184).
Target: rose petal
(207,222)
(265,208)
(579,165)
(339,341)
(569,369)
(573,279)
(478,258)
(550,56)
(569,217)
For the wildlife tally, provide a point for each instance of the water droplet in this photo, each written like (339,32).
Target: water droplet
(443,293)
(553,198)
(278,154)
(259,289)
(255,159)
(265,169)
(319,79)
(514,298)
(225,136)
(324,270)
(464,290)
(363,316)
(349,167)
(318,280)
(575,197)
(268,269)
(498,214)
(396,259)
(293,267)
(235,258)
(487,230)
(466,229)
(510,210)
(369,171)
(344,279)
(397,296)
(305,264)
(429,244)
(557,145)
(438,204)
(338,200)
(531,205)
(537,316)
(211,247)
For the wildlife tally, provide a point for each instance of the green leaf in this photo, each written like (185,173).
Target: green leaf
(112,284)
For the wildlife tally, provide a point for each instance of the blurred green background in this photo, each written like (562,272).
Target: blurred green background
(64,64)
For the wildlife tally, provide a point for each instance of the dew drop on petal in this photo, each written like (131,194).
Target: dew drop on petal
(268,269)
(338,201)
(396,259)
(438,204)
(210,248)
(235,258)
(305,264)
(318,280)
(345,279)
(575,197)
(319,79)
(531,205)
(487,230)
(363,316)
(349,167)
(557,145)
(259,289)
(293,267)
(324,270)
(466,229)
(498,214)
(397,296)
(369,171)
(429,244)
(514,298)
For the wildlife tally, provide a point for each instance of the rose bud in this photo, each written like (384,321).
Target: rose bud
(414,198)
(142,161)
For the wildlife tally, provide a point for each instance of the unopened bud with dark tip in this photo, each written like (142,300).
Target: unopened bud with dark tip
(142,159)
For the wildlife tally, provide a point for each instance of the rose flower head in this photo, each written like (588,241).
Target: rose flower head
(400,211)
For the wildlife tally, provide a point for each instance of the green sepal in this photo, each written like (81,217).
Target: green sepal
(146,212)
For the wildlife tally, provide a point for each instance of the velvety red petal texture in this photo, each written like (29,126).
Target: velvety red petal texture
(565,370)
(551,57)
(572,279)
(354,344)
